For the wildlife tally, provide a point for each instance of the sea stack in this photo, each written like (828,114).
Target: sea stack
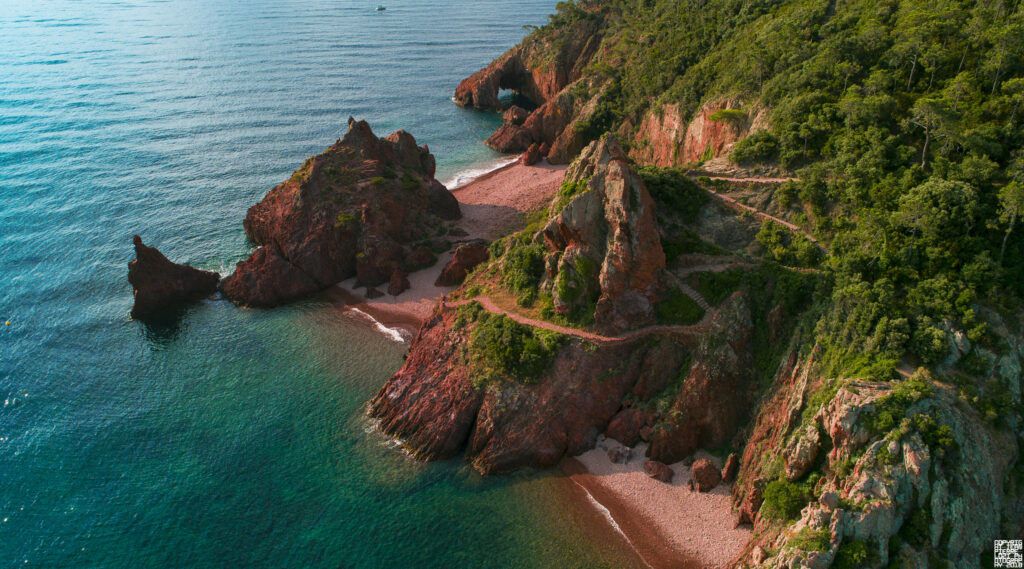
(160,285)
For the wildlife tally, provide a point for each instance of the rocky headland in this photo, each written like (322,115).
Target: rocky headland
(366,207)
(599,258)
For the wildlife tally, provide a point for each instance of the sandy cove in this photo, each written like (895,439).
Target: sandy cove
(491,204)
(667,524)
(662,525)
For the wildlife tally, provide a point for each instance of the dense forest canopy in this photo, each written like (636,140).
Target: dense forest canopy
(902,121)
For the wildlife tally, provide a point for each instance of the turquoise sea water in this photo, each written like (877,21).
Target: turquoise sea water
(237,438)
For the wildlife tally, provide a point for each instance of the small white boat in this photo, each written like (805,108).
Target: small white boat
(381,8)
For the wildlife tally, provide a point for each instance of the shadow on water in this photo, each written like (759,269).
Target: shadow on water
(163,329)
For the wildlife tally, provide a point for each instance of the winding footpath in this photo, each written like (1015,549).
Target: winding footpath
(731,203)
(490,306)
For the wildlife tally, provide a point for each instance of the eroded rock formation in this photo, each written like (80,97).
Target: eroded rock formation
(543,72)
(604,246)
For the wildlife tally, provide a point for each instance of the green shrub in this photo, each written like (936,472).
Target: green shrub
(783,500)
(674,192)
(760,146)
(890,410)
(809,539)
(716,287)
(347,222)
(916,529)
(685,242)
(854,555)
(502,347)
(567,192)
(522,268)
(731,115)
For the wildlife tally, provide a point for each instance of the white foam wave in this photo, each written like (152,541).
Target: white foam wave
(611,520)
(463,177)
(393,333)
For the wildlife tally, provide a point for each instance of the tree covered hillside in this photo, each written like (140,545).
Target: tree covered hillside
(902,121)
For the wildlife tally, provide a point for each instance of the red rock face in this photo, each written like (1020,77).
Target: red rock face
(625,426)
(716,397)
(350,211)
(466,257)
(267,279)
(159,285)
(777,416)
(664,138)
(430,403)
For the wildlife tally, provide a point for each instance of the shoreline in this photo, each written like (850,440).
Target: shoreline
(666,524)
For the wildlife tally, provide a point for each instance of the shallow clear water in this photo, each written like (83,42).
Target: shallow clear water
(236,438)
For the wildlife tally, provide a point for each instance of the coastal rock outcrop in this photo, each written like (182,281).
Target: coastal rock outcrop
(159,285)
(354,210)
(466,257)
(459,390)
(604,246)
(537,68)
(543,72)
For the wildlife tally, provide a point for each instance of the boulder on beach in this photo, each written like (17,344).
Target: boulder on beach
(531,156)
(466,257)
(732,466)
(658,471)
(705,475)
(398,283)
(159,285)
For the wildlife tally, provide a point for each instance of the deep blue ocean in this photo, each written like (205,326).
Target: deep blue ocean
(237,438)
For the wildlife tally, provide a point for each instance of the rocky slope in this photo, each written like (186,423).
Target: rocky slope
(358,209)
(875,474)
(160,285)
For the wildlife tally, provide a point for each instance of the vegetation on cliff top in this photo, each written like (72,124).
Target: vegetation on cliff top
(500,348)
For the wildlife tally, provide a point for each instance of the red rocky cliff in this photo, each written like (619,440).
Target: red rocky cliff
(354,210)
(441,403)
